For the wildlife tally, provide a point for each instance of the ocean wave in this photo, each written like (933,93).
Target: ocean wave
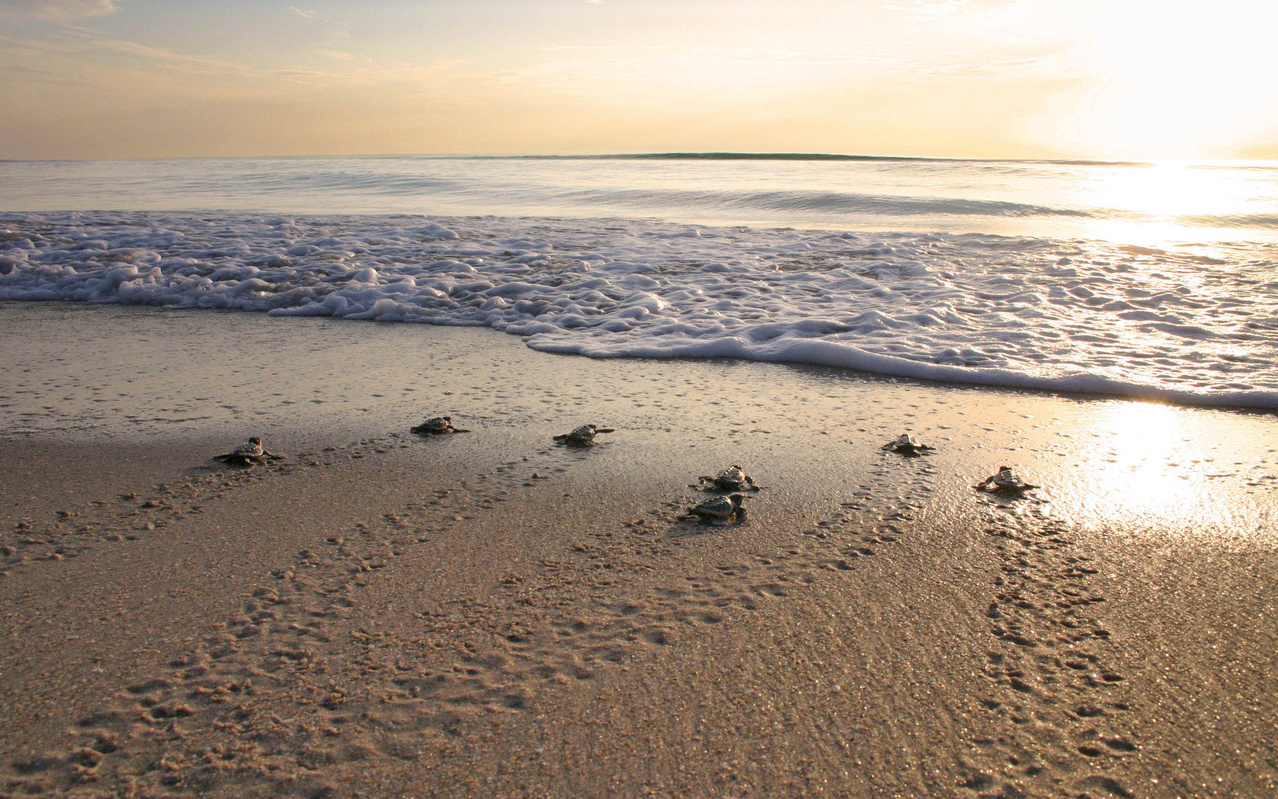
(749,156)
(302,178)
(818,352)
(819,203)
(1018,312)
(1060,198)
(1234,221)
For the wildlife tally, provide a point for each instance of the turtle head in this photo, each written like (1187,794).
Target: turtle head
(255,440)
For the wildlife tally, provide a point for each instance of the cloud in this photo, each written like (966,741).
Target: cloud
(304,13)
(91,56)
(945,10)
(57,9)
(930,11)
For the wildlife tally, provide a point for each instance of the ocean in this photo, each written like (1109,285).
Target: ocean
(1153,281)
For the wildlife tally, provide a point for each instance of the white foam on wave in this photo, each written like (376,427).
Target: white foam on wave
(1036,313)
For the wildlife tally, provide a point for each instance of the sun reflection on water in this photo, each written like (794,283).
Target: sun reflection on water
(1167,203)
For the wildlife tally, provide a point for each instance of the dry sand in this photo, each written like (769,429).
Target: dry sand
(490,614)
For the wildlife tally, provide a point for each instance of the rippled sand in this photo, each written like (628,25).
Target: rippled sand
(489,613)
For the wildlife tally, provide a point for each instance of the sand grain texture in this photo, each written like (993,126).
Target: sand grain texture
(492,614)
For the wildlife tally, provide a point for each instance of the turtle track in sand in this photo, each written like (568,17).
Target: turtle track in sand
(135,515)
(129,517)
(1049,683)
(292,694)
(299,682)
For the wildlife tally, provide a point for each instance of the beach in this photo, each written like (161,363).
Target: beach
(760,400)
(491,613)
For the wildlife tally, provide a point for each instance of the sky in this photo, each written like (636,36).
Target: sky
(1095,79)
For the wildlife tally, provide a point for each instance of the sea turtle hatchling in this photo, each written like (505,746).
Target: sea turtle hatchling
(437,426)
(248,454)
(732,478)
(583,436)
(906,444)
(718,509)
(1005,482)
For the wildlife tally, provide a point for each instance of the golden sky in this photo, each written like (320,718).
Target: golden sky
(1108,79)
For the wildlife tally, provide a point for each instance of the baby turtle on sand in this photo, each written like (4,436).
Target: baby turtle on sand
(906,444)
(718,509)
(732,478)
(248,454)
(1005,482)
(438,426)
(583,436)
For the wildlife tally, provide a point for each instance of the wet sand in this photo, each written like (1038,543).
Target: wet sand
(491,614)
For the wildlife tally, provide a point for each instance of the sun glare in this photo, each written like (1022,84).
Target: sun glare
(1135,463)
(1174,84)
(1167,203)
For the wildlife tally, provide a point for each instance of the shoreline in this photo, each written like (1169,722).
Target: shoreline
(490,614)
(1035,313)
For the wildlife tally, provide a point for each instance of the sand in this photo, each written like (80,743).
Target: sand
(491,614)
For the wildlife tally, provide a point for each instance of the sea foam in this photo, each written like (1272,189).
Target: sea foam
(1179,325)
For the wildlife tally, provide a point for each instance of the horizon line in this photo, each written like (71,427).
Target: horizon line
(724,155)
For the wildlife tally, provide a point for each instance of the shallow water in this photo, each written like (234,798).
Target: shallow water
(1119,202)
